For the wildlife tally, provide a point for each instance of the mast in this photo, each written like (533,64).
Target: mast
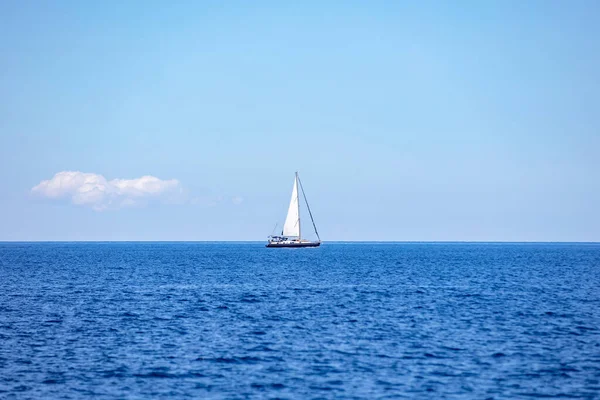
(298,203)
(307,206)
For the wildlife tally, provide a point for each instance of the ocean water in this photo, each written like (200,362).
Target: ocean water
(347,320)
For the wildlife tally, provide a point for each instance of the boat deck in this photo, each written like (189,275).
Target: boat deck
(293,244)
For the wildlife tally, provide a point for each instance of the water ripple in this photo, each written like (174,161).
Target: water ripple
(174,320)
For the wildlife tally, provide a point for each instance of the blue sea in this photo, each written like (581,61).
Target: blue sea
(343,321)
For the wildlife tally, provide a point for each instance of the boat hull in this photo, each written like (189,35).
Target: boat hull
(292,244)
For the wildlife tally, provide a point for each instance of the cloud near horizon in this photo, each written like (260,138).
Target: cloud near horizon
(95,191)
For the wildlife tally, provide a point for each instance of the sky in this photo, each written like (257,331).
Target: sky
(407,121)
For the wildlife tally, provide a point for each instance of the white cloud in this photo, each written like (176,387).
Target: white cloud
(93,190)
(237,200)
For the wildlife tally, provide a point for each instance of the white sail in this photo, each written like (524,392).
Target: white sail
(291,228)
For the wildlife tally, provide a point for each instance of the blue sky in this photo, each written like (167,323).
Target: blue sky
(463,120)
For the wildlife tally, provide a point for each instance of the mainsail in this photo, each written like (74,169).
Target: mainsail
(291,228)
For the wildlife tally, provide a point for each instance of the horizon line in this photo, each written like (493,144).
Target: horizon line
(328,241)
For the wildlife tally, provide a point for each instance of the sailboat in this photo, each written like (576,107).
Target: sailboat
(291,235)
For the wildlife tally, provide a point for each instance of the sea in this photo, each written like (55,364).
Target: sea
(344,321)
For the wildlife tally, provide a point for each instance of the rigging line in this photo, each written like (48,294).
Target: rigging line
(308,207)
